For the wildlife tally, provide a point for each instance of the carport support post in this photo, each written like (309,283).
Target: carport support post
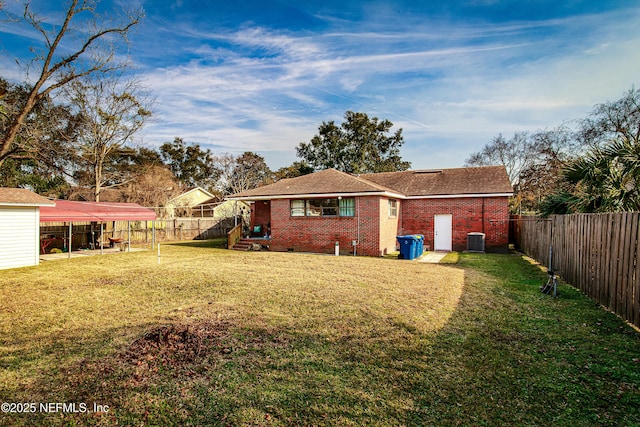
(101,239)
(128,236)
(70,240)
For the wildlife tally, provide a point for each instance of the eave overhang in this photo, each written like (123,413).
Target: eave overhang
(388,194)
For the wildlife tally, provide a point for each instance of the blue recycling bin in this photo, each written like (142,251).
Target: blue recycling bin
(408,246)
(419,246)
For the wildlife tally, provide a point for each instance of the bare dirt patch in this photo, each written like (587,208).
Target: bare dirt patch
(179,342)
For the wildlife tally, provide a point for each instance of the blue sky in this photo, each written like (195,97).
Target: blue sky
(262,75)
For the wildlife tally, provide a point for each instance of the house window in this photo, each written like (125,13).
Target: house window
(393,208)
(323,207)
(348,207)
(297,208)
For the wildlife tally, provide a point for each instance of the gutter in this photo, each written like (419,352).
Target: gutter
(383,193)
(318,195)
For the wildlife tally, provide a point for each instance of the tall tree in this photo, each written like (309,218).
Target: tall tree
(515,154)
(62,57)
(613,121)
(242,173)
(359,145)
(251,171)
(153,187)
(44,154)
(294,170)
(191,165)
(112,111)
(606,178)
(533,162)
(34,175)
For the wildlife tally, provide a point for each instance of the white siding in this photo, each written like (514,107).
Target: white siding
(19,237)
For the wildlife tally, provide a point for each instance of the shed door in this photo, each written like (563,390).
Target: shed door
(442,232)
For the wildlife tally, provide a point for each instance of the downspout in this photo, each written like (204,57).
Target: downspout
(235,213)
(483,199)
(70,239)
(357,241)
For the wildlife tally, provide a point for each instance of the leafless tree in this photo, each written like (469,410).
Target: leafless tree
(63,57)
(111,112)
(152,188)
(241,173)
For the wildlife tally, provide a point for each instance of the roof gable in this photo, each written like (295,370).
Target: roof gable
(192,197)
(324,182)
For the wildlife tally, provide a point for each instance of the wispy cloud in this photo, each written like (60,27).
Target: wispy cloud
(268,90)
(451,80)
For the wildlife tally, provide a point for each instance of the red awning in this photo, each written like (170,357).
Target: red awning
(68,211)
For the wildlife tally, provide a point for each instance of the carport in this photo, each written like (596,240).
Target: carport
(71,212)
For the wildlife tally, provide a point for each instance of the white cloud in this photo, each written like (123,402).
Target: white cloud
(450,91)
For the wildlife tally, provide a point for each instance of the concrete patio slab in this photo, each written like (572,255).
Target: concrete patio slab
(433,257)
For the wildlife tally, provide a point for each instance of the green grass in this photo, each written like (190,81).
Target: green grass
(450,258)
(216,337)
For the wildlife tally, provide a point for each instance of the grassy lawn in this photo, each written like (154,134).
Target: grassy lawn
(217,337)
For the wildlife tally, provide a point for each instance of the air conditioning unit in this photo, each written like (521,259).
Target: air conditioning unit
(475,242)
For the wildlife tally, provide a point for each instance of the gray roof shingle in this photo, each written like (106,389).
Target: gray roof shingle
(22,197)
(459,181)
(477,180)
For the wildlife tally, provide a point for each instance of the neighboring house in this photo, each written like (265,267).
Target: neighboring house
(20,227)
(214,208)
(366,212)
(183,204)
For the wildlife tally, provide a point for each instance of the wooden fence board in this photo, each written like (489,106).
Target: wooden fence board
(608,243)
(631,252)
(623,262)
(603,286)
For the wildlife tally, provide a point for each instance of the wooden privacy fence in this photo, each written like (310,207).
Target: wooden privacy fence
(597,253)
(141,231)
(175,229)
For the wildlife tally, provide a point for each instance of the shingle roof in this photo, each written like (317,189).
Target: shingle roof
(460,181)
(478,180)
(22,197)
(328,181)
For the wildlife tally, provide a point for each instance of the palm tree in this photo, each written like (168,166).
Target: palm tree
(607,177)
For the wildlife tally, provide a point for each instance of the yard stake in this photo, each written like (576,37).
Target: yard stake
(70,239)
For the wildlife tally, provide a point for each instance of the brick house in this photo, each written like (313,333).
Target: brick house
(366,212)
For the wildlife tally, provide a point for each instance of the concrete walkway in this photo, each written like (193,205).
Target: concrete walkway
(433,257)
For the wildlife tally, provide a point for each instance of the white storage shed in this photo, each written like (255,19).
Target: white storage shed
(20,227)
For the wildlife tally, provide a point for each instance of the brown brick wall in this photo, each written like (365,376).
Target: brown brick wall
(376,233)
(319,234)
(261,215)
(485,215)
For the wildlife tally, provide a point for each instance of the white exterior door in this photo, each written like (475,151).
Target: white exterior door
(442,229)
